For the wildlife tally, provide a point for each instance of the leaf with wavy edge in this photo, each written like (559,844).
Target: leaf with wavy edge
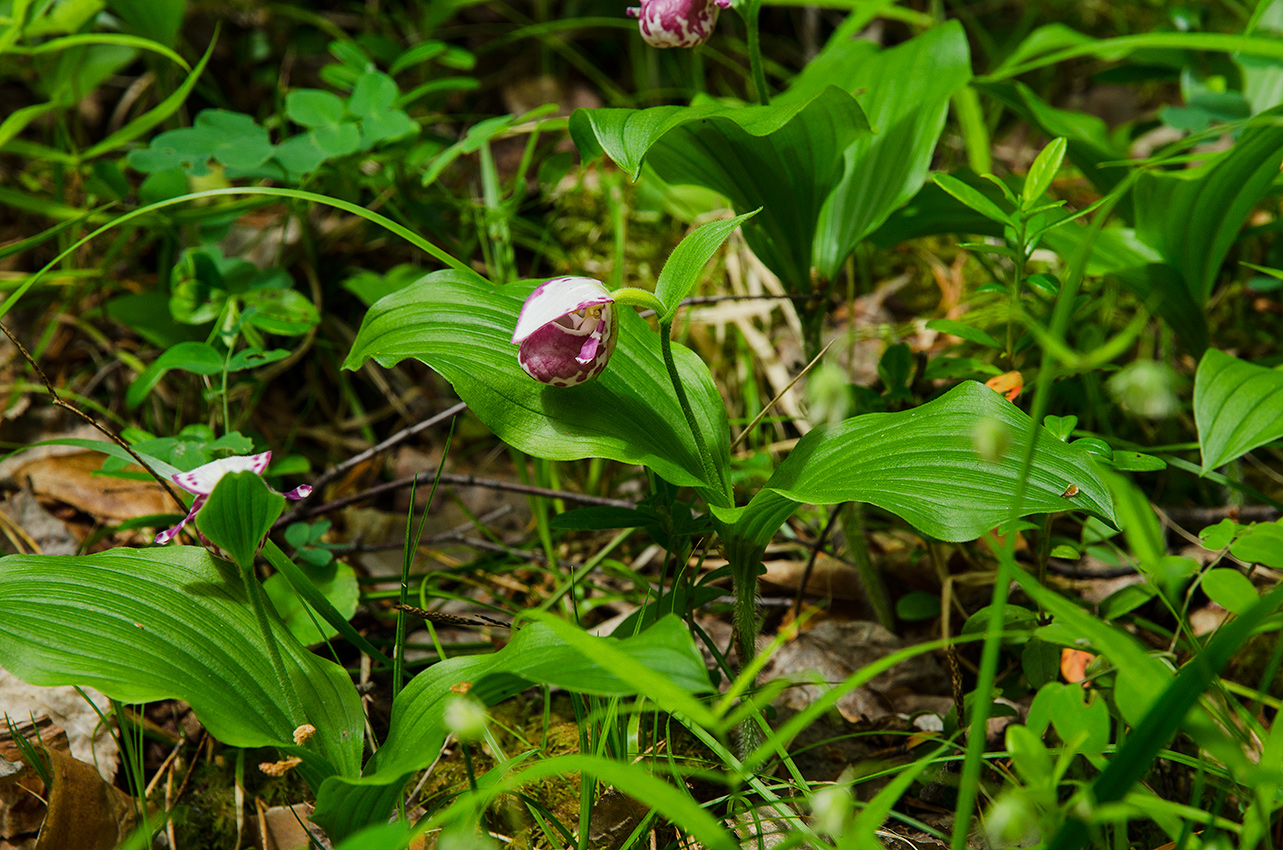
(785,158)
(921,464)
(461,326)
(1238,406)
(148,624)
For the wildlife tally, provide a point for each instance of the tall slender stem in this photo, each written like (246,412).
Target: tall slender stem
(257,602)
(754,8)
(701,447)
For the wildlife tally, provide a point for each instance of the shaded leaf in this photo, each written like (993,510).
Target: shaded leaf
(1238,406)
(904,92)
(535,655)
(784,158)
(1192,217)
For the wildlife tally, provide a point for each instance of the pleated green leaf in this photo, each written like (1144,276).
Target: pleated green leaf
(1238,406)
(174,622)
(905,93)
(922,465)
(537,654)
(461,326)
(1192,216)
(784,158)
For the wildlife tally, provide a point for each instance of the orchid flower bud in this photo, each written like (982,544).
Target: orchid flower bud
(566,331)
(202,480)
(677,23)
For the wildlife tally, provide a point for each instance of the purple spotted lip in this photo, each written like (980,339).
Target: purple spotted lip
(677,23)
(566,331)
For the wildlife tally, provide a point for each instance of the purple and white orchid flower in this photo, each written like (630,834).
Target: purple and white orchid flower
(202,480)
(566,331)
(677,23)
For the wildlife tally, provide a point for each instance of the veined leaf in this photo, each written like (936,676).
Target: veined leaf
(922,465)
(905,94)
(149,624)
(784,158)
(684,266)
(1192,217)
(1238,406)
(462,326)
(535,655)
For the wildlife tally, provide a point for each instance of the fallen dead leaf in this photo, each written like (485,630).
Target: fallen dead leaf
(831,651)
(830,578)
(70,479)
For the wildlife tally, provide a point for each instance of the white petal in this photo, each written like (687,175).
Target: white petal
(202,479)
(556,298)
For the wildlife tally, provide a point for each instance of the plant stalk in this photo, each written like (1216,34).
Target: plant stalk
(666,347)
(755,51)
(258,602)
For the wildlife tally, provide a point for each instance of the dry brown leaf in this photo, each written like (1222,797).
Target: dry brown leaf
(830,578)
(84,811)
(832,651)
(70,479)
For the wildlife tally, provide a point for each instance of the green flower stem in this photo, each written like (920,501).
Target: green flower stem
(258,601)
(755,51)
(666,346)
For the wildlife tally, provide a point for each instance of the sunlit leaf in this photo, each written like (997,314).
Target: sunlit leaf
(923,465)
(462,327)
(150,624)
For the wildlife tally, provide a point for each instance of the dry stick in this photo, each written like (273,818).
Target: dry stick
(765,410)
(459,480)
(810,562)
(399,437)
(111,435)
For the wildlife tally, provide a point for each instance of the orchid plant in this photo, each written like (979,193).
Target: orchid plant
(567,392)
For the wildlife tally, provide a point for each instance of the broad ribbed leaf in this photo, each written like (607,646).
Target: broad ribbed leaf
(922,465)
(149,624)
(461,326)
(1238,406)
(535,655)
(905,93)
(1192,216)
(784,158)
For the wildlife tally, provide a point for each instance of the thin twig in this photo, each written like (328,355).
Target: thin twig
(758,418)
(107,432)
(810,562)
(458,480)
(399,437)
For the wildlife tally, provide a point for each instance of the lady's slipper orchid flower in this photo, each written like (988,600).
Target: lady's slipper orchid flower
(566,331)
(677,23)
(203,479)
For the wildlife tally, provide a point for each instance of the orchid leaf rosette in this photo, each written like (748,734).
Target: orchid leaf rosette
(560,370)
